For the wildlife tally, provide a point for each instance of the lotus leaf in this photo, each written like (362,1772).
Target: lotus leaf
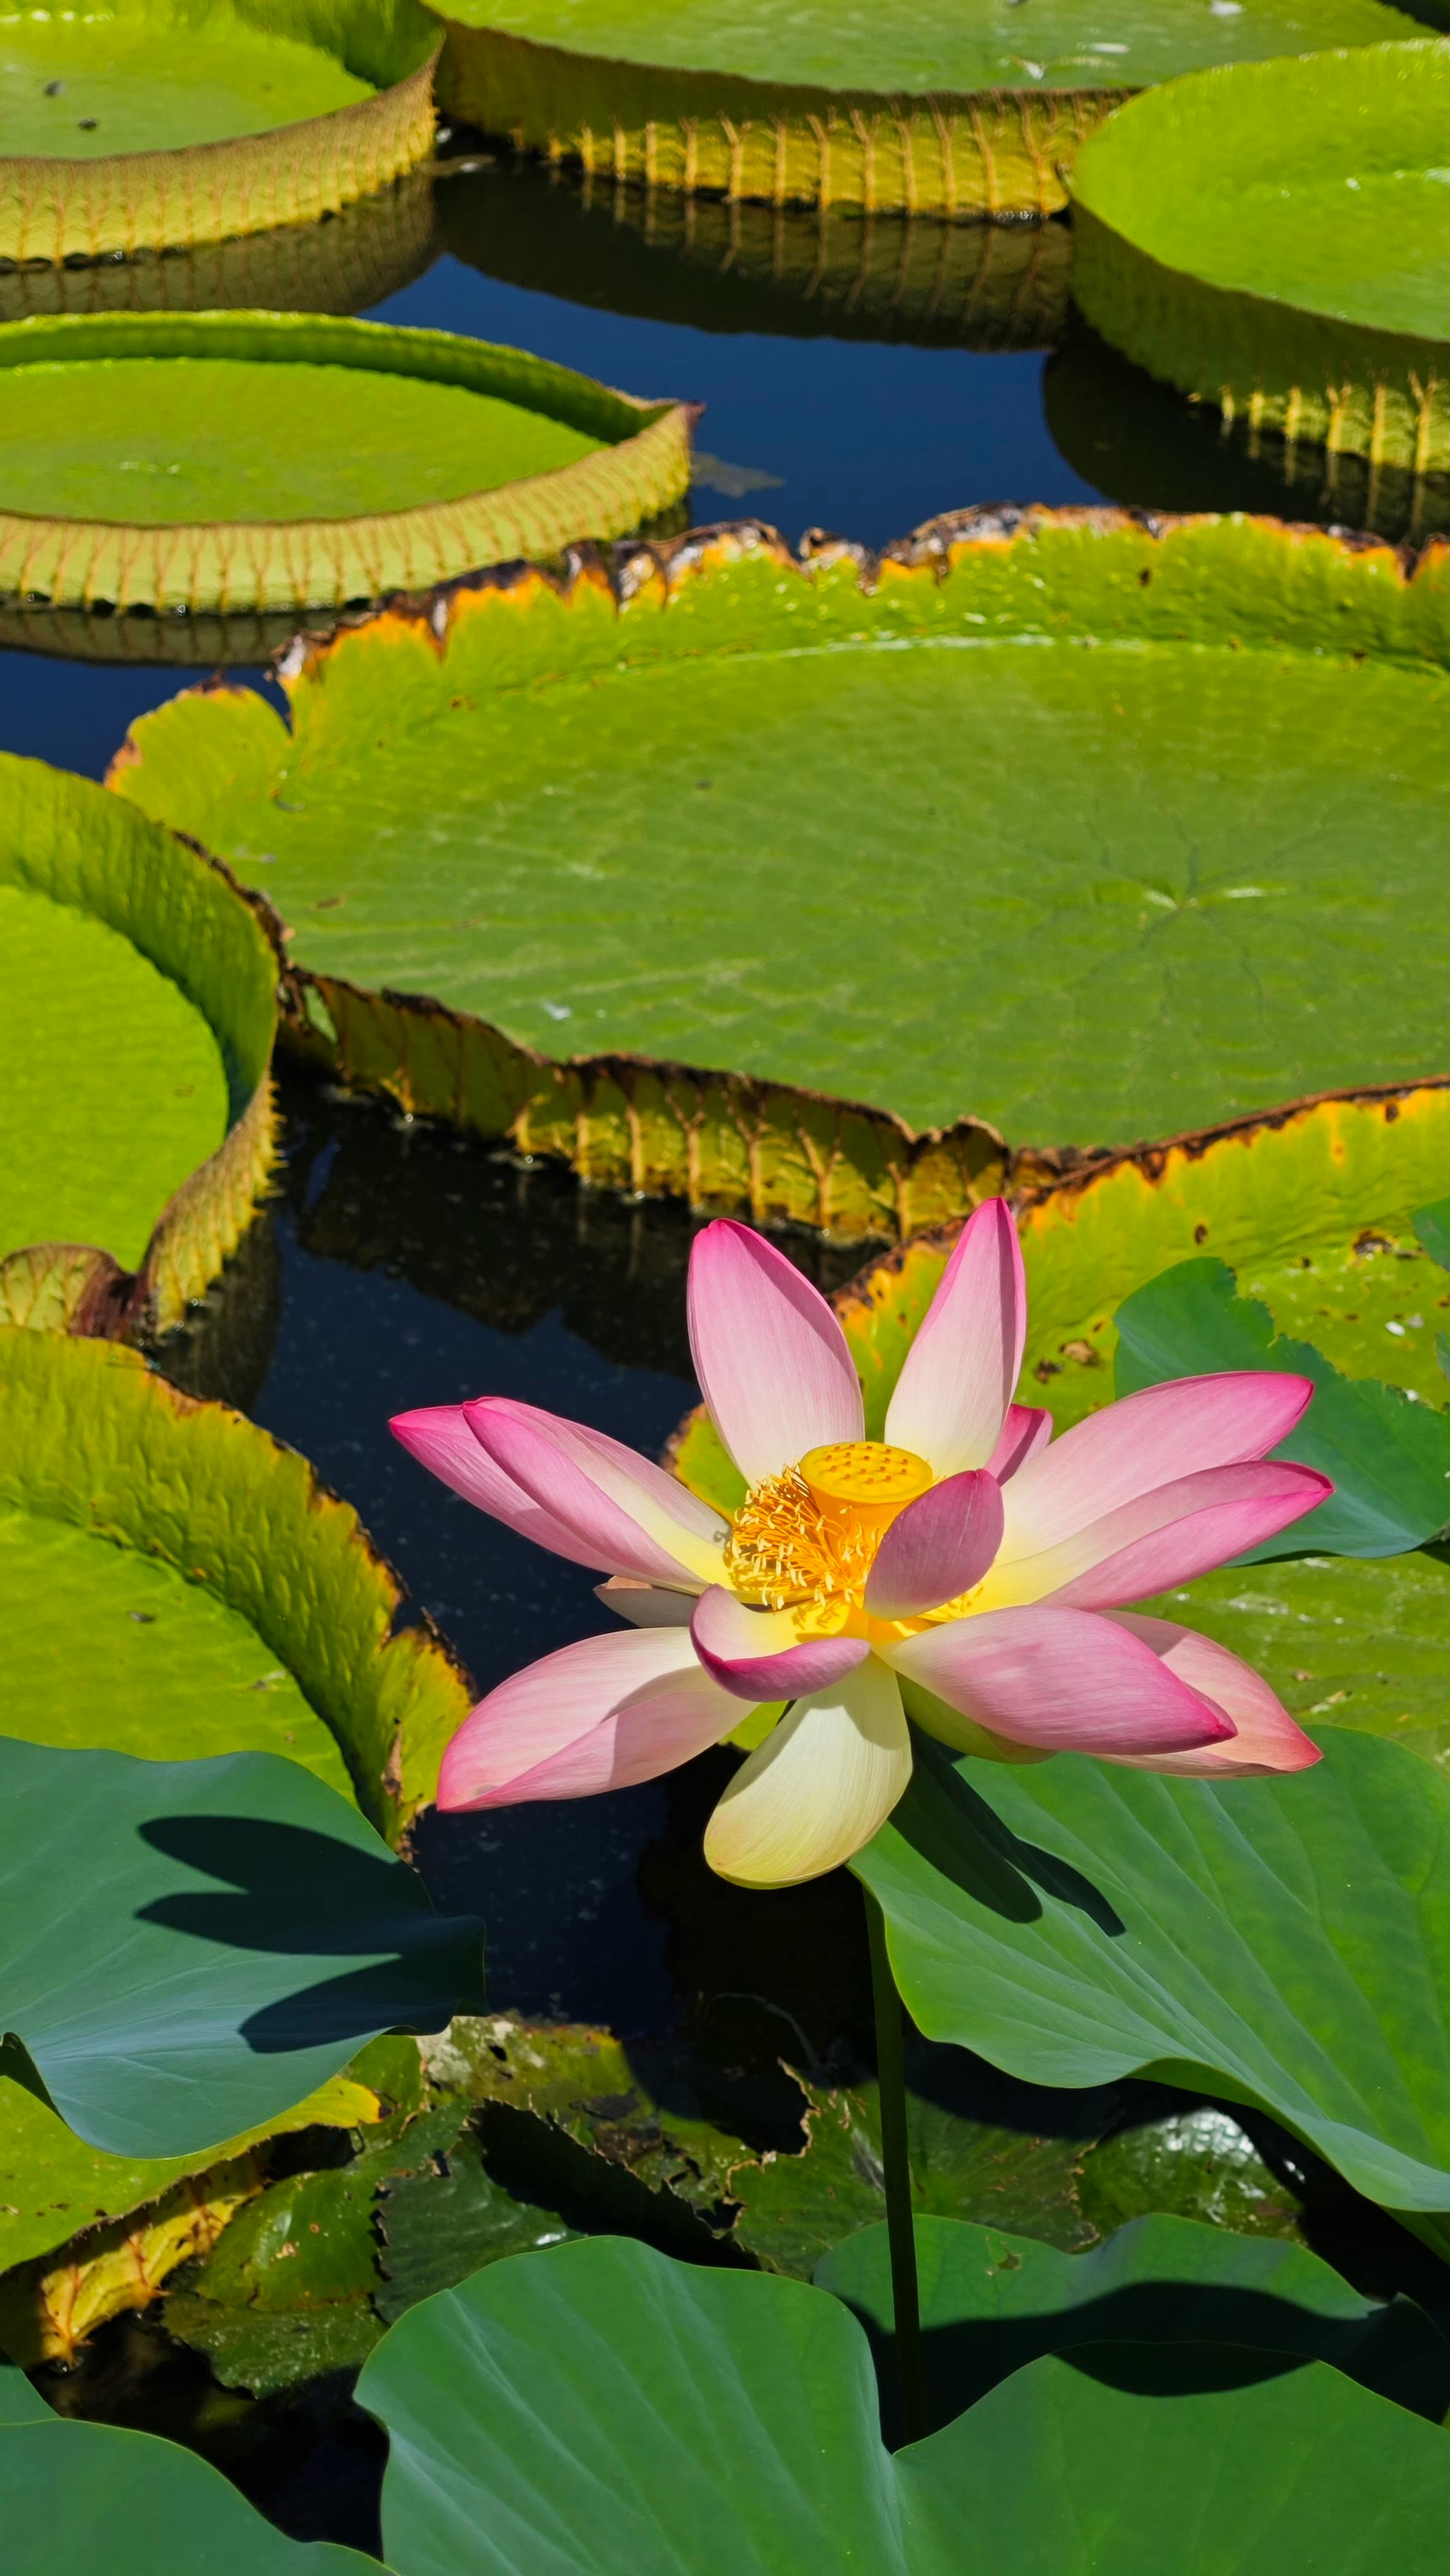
(1182,868)
(1275,238)
(191,461)
(622,2413)
(244,1933)
(804,272)
(137,1012)
(176,1583)
(148,124)
(915,104)
(56,2188)
(1387,1456)
(77,2493)
(991,2302)
(1277,1942)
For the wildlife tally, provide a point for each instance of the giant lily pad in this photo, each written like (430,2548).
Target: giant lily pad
(940,829)
(175,1583)
(1275,238)
(911,105)
(244,1933)
(146,124)
(598,2411)
(191,462)
(367,250)
(1280,1942)
(137,1012)
(716,264)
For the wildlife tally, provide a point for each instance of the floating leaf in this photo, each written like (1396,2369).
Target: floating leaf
(140,1537)
(1193,880)
(1278,1942)
(1191,2165)
(1248,233)
(599,2411)
(190,461)
(142,126)
(137,1013)
(1389,1459)
(955,111)
(991,2303)
(244,1932)
(77,2493)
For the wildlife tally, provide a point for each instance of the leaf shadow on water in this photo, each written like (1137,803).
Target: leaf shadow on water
(954,1829)
(296,1893)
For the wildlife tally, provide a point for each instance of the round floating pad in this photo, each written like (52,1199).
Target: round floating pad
(364,253)
(148,123)
(954,107)
(174,1583)
(1276,238)
(219,461)
(805,272)
(1083,829)
(137,1013)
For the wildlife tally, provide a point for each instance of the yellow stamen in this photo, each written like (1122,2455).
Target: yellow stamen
(805,1540)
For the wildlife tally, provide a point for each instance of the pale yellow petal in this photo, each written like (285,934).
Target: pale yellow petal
(818,1787)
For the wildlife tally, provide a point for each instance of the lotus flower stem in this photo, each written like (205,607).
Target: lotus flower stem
(896,2161)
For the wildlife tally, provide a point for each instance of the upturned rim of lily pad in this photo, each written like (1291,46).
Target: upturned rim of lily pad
(639,466)
(187,915)
(53,209)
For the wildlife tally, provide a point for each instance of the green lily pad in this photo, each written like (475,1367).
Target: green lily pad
(140,1537)
(918,105)
(1388,1457)
(362,254)
(1278,1942)
(74,2493)
(145,124)
(598,2410)
(991,2303)
(1182,868)
(244,1933)
(137,1012)
(1275,238)
(190,461)
(719,265)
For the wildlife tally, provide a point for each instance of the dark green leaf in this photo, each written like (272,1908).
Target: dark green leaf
(991,2302)
(1281,1942)
(1193,2164)
(1432,1225)
(1389,1458)
(600,2411)
(186,1949)
(81,2495)
(437,2228)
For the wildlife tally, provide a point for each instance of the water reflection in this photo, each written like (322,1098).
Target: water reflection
(802,272)
(1144,444)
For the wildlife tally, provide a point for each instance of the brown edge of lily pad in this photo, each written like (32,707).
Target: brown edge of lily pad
(77,1288)
(723,1141)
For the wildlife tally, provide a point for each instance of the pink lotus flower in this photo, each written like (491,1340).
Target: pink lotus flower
(967,1567)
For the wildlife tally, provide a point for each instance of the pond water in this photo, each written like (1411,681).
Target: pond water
(399,1266)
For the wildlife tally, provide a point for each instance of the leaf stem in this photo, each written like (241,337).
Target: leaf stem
(896,2160)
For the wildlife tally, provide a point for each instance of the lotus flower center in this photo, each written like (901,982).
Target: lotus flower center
(805,1540)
